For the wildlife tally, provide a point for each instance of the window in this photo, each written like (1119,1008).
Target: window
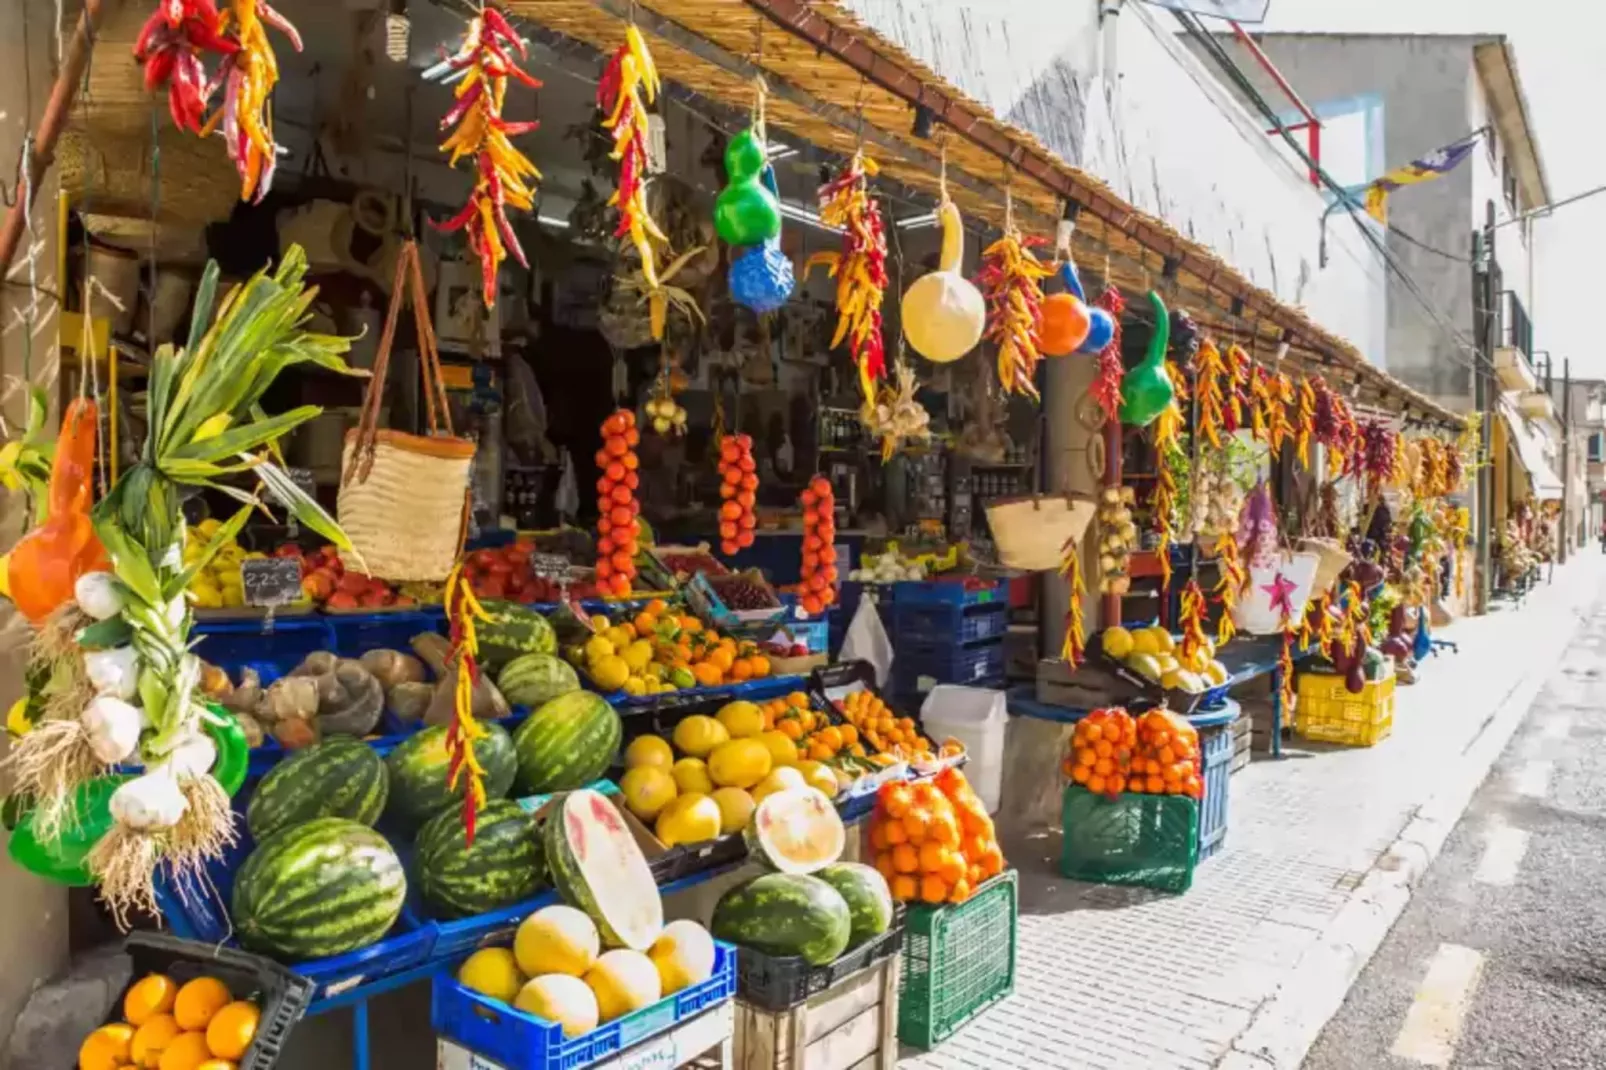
(1597,447)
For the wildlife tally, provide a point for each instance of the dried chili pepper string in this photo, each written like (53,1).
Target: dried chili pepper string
(629,83)
(249,75)
(170,47)
(1074,647)
(1191,617)
(860,268)
(1167,441)
(502,172)
(464,610)
(1209,374)
(1230,583)
(1106,385)
(1011,279)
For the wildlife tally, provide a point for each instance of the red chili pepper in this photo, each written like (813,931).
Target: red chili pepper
(467,101)
(496,23)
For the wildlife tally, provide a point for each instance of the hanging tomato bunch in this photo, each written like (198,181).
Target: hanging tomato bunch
(738,489)
(617,507)
(502,172)
(1012,280)
(170,46)
(860,269)
(819,546)
(629,83)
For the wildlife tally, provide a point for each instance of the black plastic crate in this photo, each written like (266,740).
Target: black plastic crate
(280,995)
(781,982)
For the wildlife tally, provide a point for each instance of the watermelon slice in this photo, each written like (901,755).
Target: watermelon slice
(599,868)
(796,831)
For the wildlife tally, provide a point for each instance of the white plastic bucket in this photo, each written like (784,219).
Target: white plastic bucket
(978,718)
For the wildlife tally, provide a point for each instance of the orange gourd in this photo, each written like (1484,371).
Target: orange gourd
(46,562)
(1066,319)
(943,312)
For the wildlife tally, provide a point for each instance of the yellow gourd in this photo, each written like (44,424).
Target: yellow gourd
(943,314)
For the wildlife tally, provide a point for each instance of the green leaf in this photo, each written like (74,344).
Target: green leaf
(307,512)
(38,412)
(195,473)
(129,560)
(164,367)
(247,437)
(205,295)
(228,530)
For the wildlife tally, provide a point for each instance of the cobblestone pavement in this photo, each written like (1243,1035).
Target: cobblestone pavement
(1303,834)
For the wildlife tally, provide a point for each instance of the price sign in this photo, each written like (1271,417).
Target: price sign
(549,566)
(273,581)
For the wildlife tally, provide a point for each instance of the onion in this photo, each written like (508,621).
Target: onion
(150,802)
(98,595)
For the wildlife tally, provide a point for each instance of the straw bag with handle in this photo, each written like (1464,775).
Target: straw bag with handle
(1031,532)
(404,498)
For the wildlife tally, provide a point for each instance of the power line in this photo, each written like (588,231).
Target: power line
(1549,209)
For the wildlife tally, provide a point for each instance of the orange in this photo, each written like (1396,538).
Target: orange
(657,607)
(760,666)
(198,1000)
(149,997)
(232,1030)
(905,859)
(1081,774)
(904,887)
(646,625)
(791,728)
(992,863)
(850,735)
(219,1064)
(1095,784)
(933,889)
(187,1052)
(152,1038)
(107,1048)
(944,830)
(933,856)
(741,671)
(721,658)
(819,752)
(799,701)
(897,799)
(960,891)
(916,822)
(707,673)
(896,833)
(953,868)
(878,836)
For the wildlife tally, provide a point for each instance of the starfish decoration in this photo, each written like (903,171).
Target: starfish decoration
(1281,590)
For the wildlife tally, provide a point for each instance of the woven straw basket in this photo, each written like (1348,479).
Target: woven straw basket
(1334,559)
(1031,533)
(404,498)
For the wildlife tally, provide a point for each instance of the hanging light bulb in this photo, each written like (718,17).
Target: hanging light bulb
(398,32)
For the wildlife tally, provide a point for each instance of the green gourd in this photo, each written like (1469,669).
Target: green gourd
(746,213)
(1146,390)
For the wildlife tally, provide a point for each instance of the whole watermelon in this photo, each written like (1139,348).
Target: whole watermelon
(320,889)
(340,777)
(785,914)
(567,743)
(419,768)
(535,679)
(505,865)
(512,630)
(868,898)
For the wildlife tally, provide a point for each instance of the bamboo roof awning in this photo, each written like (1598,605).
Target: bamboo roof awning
(836,83)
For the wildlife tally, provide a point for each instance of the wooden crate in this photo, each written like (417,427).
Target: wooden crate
(851,1026)
(1243,730)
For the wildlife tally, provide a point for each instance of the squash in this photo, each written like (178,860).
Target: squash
(1066,317)
(943,313)
(1146,390)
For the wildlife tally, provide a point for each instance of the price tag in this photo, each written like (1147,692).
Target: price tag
(273,581)
(549,566)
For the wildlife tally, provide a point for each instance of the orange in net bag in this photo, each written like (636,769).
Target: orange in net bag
(933,839)
(1100,754)
(1166,760)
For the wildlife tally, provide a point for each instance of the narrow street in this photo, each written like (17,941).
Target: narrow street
(1499,962)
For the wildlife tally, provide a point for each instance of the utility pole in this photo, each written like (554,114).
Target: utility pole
(1484,287)
(1566,452)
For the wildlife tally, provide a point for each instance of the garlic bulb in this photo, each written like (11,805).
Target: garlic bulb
(194,757)
(98,595)
(149,803)
(113,726)
(113,672)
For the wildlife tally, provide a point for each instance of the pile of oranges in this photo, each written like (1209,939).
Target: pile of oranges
(882,730)
(818,589)
(738,489)
(817,739)
(1157,753)
(680,641)
(617,508)
(165,1026)
(933,840)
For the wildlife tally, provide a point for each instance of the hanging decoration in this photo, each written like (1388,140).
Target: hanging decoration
(860,269)
(1241,372)
(629,83)
(1191,618)
(1233,576)
(1333,427)
(170,47)
(25,462)
(1106,386)
(464,613)
(1067,319)
(747,217)
(1074,647)
(1282,601)
(618,530)
(1304,420)
(895,416)
(248,75)
(1379,455)
(1011,277)
(738,492)
(45,565)
(483,64)
(819,573)
(1168,448)
(1210,375)
(1146,390)
(944,315)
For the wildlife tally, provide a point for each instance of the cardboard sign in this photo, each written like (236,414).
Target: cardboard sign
(273,581)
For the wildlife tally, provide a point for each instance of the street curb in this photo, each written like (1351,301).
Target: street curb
(1285,1027)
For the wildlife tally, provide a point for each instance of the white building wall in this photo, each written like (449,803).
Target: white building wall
(1511,245)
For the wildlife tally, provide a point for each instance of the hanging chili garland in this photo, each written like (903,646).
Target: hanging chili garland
(1012,280)
(628,85)
(1106,386)
(1191,618)
(248,75)
(1305,420)
(464,612)
(170,46)
(1210,375)
(1232,580)
(502,173)
(860,268)
(1168,444)
(1074,647)
(1242,373)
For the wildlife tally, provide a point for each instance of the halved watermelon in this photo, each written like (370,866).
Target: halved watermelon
(796,831)
(597,866)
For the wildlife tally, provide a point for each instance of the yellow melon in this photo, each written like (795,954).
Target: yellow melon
(556,939)
(689,819)
(649,750)
(492,971)
(647,790)
(698,735)
(623,981)
(739,763)
(568,1001)
(735,809)
(782,750)
(684,956)
(691,775)
(742,720)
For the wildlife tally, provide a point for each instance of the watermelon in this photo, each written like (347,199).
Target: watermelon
(598,867)
(785,914)
(419,768)
(512,630)
(796,831)
(535,679)
(340,777)
(504,866)
(567,743)
(868,898)
(320,889)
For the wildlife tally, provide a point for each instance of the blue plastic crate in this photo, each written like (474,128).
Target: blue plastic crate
(236,645)
(357,633)
(918,667)
(944,593)
(1215,753)
(751,690)
(519,1041)
(952,625)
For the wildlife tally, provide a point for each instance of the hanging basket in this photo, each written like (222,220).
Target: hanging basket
(1334,559)
(404,498)
(1031,532)
(1254,614)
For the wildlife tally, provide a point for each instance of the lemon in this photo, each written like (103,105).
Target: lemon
(597,648)
(782,750)
(610,673)
(492,971)
(735,809)
(698,735)
(691,775)
(621,637)
(600,624)
(647,790)
(634,685)
(1117,642)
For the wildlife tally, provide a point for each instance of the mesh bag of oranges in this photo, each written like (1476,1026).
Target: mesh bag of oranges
(1100,754)
(933,839)
(1166,760)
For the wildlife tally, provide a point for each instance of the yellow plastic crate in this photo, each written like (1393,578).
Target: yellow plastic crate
(1328,712)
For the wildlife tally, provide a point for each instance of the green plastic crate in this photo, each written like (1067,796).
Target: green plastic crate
(957,961)
(1151,841)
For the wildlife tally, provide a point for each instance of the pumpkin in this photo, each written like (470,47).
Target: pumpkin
(943,314)
(1066,320)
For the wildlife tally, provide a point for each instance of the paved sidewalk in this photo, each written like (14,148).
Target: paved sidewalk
(1321,851)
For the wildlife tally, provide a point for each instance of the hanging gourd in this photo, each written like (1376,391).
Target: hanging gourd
(46,563)
(746,212)
(1067,320)
(1100,320)
(943,313)
(1146,390)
